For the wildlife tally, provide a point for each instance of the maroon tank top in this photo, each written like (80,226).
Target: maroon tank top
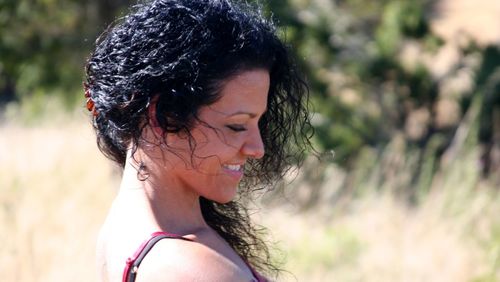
(133,262)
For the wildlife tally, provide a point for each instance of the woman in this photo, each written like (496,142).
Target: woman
(199,103)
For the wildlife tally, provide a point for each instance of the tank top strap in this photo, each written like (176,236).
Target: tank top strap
(256,275)
(133,262)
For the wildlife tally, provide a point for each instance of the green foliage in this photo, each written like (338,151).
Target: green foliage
(44,44)
(371,70)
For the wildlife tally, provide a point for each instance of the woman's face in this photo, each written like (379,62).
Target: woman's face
(225,138)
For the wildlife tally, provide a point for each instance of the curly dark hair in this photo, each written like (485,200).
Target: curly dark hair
(181,51)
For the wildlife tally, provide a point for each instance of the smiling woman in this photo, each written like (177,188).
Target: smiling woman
(199,102)
(226,136)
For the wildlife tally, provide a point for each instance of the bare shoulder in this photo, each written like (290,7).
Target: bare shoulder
(179,260)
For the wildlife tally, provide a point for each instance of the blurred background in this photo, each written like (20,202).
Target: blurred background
(406,107)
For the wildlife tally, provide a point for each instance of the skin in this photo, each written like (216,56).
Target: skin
(227,134)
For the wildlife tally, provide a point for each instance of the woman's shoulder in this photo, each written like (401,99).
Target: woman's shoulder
(180,260)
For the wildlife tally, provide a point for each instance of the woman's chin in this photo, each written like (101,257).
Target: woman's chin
(226,197)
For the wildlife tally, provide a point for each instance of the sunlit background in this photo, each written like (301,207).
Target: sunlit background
(406,107)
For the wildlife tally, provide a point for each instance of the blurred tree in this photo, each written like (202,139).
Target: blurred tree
(43,44)
(349,49)
(488,84)
(379,73)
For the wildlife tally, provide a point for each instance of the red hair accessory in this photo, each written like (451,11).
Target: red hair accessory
(90,102)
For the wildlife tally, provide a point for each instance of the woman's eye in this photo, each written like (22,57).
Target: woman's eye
(236,128)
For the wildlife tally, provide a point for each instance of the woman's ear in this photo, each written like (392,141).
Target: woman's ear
(153,120)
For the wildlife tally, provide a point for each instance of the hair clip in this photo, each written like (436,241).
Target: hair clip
(90,103)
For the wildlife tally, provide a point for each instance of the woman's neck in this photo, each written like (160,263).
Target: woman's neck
(169,206)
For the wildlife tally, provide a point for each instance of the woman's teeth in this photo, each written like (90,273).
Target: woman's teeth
(233,167)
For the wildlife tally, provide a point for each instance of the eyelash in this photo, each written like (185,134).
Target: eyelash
(236,128)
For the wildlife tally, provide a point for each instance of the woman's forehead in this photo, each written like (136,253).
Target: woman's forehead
(245,92)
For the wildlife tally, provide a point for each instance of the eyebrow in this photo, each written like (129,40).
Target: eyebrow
(252,115)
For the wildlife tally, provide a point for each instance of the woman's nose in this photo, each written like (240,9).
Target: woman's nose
(254,146)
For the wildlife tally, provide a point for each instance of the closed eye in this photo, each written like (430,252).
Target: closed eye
(236,128)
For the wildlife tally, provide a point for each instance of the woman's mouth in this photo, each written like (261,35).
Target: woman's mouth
(233,167)
(235,171)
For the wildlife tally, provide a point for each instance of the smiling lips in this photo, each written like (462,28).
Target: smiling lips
(233,167)
(235,171)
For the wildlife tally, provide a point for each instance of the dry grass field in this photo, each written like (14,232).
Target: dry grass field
(55,188)
(54,192)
